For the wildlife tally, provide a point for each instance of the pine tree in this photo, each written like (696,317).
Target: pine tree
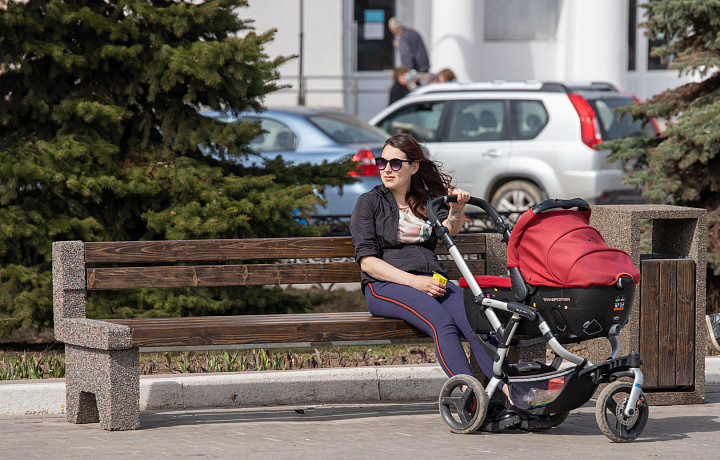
(99,136)
(683,166)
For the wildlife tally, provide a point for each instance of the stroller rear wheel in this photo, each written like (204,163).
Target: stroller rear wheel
(463,404)
(610,417)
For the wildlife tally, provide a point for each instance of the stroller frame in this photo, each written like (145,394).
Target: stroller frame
(621,421)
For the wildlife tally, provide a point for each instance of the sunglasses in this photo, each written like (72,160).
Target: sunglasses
(395,163)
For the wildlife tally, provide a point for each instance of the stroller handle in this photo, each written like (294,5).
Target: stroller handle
(500,226)
(563,204)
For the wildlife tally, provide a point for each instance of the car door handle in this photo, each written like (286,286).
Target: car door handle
(492,153)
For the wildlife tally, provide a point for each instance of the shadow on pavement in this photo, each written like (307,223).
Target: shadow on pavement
(319,413)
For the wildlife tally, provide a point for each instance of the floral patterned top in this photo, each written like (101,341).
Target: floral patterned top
(412,229)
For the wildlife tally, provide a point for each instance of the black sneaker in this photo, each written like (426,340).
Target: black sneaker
(713,325)
(499,418)
(536,423)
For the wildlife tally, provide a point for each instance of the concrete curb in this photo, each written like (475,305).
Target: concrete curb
(302,387)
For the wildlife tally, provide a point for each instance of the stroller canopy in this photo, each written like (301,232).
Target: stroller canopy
(560,248)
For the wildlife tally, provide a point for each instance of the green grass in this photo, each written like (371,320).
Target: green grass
(23,365)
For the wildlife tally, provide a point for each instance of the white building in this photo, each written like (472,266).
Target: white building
(347,56)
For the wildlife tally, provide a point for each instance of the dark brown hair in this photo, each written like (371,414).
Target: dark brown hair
(397,71)
(446,74)
(428,182)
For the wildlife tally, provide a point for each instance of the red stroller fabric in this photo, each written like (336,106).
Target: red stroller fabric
(560,248)
(488,281)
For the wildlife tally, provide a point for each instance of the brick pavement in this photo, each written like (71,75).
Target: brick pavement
(377,431)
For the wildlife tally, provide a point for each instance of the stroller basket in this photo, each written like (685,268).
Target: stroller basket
(551,392)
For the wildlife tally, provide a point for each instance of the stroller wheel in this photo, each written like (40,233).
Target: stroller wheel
(609,413)
(463,411)
(558,417)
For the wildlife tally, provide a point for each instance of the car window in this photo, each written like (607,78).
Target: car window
(419,120)
(473,121)
(528,118)
(346,129)
(276,138)
(615,127)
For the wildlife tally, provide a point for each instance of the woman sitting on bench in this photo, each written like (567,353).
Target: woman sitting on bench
(395,248)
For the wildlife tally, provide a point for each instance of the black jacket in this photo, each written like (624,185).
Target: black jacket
(374,229)
(397,92)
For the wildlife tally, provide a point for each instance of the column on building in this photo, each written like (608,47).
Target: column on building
(455,39)
(595,40)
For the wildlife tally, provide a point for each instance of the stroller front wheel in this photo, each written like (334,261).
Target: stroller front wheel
(463,404)
(609,413)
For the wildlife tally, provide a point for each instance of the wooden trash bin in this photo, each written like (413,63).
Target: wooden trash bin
(667,323)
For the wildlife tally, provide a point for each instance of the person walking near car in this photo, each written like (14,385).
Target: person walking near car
(399,89)
(446,75)
(409,43)
(395,248)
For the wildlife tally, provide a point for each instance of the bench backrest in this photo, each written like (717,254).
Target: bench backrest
(310,261)
(80,266)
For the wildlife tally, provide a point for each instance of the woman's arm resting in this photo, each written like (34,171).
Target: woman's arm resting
(381,270)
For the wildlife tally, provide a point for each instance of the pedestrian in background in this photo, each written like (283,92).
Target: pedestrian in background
(399,89)
(445,75)
(413,54)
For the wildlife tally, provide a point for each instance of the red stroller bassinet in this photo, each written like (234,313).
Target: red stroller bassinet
(562,267)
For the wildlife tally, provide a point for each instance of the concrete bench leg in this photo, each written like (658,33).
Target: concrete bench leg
(103,386)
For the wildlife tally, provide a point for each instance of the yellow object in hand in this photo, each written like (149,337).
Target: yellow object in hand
(440,278)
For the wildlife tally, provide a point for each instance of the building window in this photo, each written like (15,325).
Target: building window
(654,62)
(375,49)
(520,19)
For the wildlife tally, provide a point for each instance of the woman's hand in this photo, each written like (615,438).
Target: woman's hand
(462,198)
(456,217)
(428,285)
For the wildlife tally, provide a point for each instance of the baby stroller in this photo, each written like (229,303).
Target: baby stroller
(565,285)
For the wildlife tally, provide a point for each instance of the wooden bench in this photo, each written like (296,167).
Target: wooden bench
(102,356)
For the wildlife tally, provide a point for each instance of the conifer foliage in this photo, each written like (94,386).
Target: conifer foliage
(99,136)
(683,165)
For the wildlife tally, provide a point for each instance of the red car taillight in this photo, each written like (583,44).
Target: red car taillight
(365,164)
(589,129)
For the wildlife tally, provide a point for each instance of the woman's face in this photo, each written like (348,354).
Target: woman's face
(397,181)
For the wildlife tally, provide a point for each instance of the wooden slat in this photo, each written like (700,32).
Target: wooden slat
(257,329)
(477,267)
(467,243)
(237,275)
(685,349)
(667,325)
(649,294)
(217,250)
(241,249)
(221,275)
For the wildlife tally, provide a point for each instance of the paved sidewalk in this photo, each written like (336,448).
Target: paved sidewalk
(371,431)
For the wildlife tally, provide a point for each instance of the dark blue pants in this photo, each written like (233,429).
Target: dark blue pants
(442,318)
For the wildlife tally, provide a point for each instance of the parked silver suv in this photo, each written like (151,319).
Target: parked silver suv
(517,143)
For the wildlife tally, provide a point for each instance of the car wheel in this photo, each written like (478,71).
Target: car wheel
(516,197)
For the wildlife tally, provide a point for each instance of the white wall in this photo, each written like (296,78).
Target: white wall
(323,50)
